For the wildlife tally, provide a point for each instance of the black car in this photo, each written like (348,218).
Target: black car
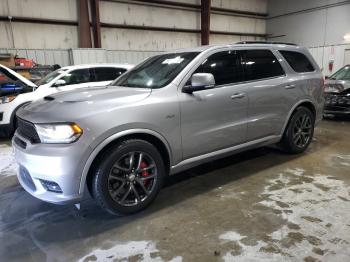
(337,93)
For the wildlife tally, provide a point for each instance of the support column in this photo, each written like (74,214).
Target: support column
(96,23)
(84,24)
(205,21)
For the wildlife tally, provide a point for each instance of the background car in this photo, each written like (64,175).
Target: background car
(17,91)
(337,93)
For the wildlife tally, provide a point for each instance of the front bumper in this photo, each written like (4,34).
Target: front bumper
(61,164)
(336,104)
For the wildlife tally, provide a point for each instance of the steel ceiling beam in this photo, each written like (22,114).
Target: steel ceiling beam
(205,21)
(96,23)
(84,32)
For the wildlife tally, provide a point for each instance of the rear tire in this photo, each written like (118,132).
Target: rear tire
(128,177)
(299,132)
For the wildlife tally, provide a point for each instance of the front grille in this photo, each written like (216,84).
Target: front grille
(27,130)
(26,178)
(337,100)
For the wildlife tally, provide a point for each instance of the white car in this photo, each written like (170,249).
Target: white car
(22,91)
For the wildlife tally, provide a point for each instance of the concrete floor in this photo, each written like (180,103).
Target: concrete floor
(261,205)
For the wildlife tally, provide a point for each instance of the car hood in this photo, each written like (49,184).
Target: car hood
(15,76)
(80,103)
(96,94)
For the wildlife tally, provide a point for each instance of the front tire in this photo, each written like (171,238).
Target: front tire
(128,177)
(299,132)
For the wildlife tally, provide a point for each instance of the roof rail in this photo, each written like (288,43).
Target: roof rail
(265,42)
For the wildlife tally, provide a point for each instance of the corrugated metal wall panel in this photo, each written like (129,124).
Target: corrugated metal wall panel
(64,57)
(88,56)
(130,57)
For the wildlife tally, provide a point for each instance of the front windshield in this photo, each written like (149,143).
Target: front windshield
(48,78)
(157,71)
(341,74)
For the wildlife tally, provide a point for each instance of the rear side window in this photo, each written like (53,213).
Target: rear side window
(260,64)
(226,67)
(298,61)
(108,73)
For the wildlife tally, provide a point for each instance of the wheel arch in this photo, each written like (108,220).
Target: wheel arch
(306,103)
(144,134)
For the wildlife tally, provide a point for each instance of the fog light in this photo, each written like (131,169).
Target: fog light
(51,186)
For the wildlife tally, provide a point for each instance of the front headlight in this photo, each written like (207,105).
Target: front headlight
(6,99)
(58,133)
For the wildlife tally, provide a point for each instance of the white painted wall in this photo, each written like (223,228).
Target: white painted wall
(135,14)
(45,36)
(320,29)
(54,9)
(25,35)
(20,35)
(230,23)
(141,40)
(258,6)
(49,38)
(131,14)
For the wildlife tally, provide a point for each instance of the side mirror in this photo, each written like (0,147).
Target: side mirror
(200,81)
(59,82)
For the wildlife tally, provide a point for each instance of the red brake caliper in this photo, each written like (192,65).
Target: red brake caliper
(144,173)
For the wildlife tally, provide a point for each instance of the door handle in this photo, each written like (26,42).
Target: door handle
(238,95)
(290,86)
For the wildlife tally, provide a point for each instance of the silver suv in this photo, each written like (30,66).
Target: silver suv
(171,112)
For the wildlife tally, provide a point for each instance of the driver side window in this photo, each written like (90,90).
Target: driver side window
(77,77)
(226,67)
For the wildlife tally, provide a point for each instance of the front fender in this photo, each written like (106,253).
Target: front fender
(112,138)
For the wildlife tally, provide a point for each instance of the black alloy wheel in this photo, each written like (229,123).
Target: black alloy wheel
(128,177)
(132,178)
(302,130)
(299,131)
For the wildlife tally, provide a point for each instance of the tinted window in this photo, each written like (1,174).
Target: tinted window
(226,67)
(157,71)
(298,61)
(108,73)
(77,77)
(260,64)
